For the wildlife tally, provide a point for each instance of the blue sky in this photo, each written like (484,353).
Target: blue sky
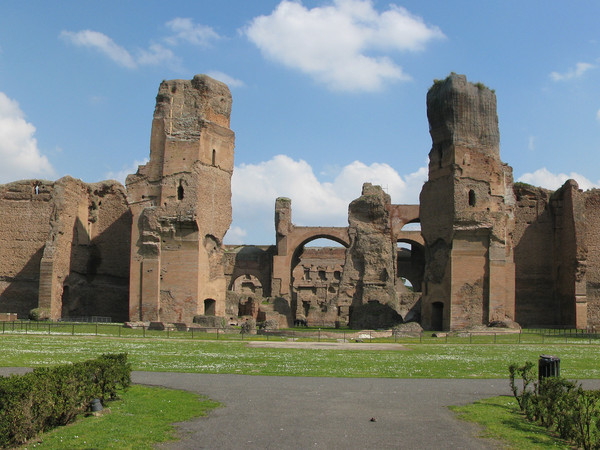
(326,94)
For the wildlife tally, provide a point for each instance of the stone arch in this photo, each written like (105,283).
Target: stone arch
(247,283)
(410,263)
(313,284)
(290,246)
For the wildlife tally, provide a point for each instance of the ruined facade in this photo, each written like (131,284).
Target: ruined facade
(488,251)
(62,244)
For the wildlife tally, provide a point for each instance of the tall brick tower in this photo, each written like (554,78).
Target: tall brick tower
(467,214)
(181,204)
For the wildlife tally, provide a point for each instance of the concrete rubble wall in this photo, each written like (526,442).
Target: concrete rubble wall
(367,289)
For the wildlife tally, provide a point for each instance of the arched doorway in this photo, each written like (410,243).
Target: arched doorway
(316,269)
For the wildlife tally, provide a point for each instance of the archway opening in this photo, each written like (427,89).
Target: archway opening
(410,266)
(316,272)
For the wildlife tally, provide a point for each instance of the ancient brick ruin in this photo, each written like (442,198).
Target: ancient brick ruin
(490,252)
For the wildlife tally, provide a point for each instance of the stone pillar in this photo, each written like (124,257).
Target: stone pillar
(280,277)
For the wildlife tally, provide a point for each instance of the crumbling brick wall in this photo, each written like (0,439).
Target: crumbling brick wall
(24,226)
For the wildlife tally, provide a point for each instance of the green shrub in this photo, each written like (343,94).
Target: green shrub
(51,397)
(39,314)
(560,405)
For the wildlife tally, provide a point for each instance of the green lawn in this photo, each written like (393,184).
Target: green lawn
(501,420)
(142,418)
(205,356)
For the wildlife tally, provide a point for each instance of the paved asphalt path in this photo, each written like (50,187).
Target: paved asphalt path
(262,412)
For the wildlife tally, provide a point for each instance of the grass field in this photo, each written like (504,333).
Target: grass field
(204,356)
(141,418)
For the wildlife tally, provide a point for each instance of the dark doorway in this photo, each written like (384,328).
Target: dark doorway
(209,307)
(437,316)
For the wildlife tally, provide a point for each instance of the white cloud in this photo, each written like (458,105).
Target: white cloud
(546,179)
(102,43)
(531,143)
(576,72)
(120,175)
(256,186)
(19,152)
(156,55)
(333,44)
(186,31)
(227,79)
(235,235)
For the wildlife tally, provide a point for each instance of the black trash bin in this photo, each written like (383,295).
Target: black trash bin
(548,366)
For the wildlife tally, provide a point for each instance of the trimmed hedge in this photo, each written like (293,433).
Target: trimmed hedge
(54,396)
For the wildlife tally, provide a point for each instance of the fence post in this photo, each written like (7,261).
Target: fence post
(520,331)
(3,325)
(370,336)
(96,328)
(319,335)
(168,332)
(72,329)
(119,327)
(494,338)
(217,333)
(421,337)
(470,338)
(144,329)
(192,333)
(49,327)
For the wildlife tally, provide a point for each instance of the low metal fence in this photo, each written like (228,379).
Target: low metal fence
(526,336)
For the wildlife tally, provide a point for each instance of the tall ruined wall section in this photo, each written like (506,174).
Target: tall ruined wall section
(368,280)
(534,253)
(181,204)
(466,211)
(556,256)
(97,281)
(25,211)
(591,201)
(57,240)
